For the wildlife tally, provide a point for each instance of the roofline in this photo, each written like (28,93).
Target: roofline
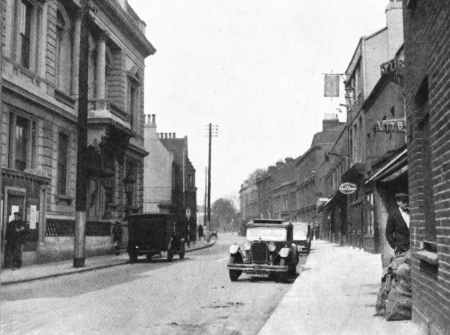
(361,39)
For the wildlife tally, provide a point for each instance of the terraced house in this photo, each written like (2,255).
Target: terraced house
(38,126)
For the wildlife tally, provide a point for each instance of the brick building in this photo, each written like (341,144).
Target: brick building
(427,91)
(38,124)
(308,185)
(184,191)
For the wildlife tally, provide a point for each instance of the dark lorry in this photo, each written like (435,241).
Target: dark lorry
(153,234)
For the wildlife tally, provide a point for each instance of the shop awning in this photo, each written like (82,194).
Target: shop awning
(392,169)
(336,197)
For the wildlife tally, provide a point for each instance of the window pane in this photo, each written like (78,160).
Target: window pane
(21,142)
(62,163)
(25,32)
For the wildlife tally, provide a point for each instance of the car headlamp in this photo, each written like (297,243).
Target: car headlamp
(247,246)
(284,252)
(272,247)
(234,248)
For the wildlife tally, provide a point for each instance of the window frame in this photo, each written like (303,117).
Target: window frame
(30,144)
(62,191)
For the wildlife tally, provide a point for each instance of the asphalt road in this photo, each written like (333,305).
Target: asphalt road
(192,296)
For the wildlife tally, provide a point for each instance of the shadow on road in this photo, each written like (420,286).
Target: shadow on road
(83,283)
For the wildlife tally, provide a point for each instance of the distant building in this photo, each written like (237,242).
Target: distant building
(309,189)
(158,171)
(184,191)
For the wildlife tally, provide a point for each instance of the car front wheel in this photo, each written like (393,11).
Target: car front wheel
(234,274)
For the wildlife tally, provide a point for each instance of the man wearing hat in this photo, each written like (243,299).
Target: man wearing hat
(15,234)
(397,228)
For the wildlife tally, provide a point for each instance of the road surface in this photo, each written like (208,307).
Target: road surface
(192,296)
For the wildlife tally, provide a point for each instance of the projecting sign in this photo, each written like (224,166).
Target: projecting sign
(347,188)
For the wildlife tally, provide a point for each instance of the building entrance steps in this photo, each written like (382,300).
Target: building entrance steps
(56,269)
(335,293)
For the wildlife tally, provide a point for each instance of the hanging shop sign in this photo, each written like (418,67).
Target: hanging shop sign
(347,188)
(391,126)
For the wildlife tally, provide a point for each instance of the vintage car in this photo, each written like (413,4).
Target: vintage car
(302,236)
(154,234)
(269,250)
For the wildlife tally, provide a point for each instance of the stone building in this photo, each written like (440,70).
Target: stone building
(158,171)
(283,196)
(427,91)
(248,198)
(38,124)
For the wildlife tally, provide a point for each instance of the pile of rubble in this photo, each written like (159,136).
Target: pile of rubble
(394,300)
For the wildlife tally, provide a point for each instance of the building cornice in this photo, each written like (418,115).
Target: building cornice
(125,22)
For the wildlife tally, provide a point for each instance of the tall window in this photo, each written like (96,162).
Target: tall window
(22,143)
(63,50)
(63,145)
(26,11)
(132,101)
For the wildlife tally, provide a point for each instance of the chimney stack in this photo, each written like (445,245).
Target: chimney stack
(394,23)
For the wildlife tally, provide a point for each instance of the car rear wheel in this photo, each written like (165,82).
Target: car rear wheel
(169,255)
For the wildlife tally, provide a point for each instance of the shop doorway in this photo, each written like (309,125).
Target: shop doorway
(14,202)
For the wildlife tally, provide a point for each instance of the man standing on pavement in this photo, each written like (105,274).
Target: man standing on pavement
(397,228)
(15,234)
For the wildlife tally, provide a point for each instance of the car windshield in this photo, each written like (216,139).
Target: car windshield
(266,234)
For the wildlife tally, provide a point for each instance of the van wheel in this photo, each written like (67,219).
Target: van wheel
(133,257)
(234,274)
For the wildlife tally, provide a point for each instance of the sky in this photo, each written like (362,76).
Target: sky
(253,67)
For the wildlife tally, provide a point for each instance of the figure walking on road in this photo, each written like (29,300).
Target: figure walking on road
(15,236)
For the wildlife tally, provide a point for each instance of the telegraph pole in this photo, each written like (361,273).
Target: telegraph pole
(205,198)
(1,118)
(81,193)
(209,173)
(213,130)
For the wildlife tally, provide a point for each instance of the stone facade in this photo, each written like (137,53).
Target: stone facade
(158,171)
(38,127)
(427,50)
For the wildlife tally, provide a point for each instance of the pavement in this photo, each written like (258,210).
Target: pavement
(63,268)
(335,293)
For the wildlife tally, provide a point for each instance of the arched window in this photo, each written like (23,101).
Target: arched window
(63,50)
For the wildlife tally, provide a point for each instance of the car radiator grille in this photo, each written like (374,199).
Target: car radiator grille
(259,253)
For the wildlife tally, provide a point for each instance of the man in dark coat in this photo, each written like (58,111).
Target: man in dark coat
(397,228)
(15,235)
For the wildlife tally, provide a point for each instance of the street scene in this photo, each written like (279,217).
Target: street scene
(225,167)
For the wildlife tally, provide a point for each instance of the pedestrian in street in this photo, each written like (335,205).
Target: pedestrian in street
(117,236)
(188,234)
(200,232)
(397,228)
(15,237)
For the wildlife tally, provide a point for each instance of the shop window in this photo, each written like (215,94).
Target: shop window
(63,146)
(22,143)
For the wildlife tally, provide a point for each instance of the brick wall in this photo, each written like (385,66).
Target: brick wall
(427,50)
